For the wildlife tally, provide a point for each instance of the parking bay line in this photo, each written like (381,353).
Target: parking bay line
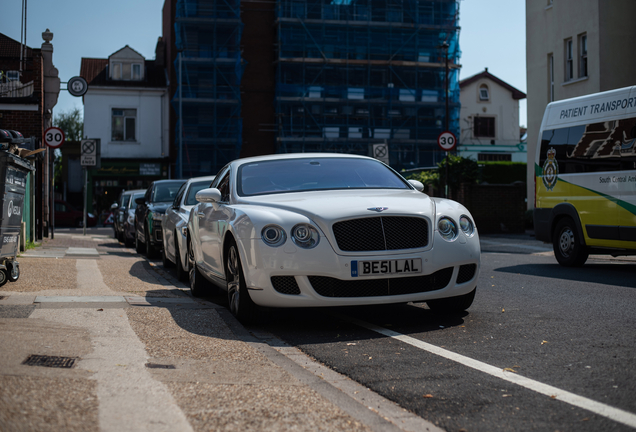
(598,408)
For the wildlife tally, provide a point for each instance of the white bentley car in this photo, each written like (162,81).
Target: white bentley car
(174,225)
(306,230)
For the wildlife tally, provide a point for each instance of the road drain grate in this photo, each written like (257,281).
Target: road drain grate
(159,366)
(50,361)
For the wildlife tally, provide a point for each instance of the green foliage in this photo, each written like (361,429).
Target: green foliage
(427,178)
(460,170)
(502,172)
(71,123)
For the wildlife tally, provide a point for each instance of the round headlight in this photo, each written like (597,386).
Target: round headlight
(273,235)
(447,228)
(305,236)
(466,225)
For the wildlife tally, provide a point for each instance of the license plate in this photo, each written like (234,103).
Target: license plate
(386,267)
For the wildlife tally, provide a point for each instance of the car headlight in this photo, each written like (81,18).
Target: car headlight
(305,236)
(131,219)
(447,228)
(466,225)
(157,216)
(273,235)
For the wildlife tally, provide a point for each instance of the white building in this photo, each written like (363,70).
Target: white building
(489,120)
(574,48)
(126,107)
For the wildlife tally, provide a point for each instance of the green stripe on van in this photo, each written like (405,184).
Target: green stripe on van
(624,204)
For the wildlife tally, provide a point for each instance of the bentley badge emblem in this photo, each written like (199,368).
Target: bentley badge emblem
(378,209)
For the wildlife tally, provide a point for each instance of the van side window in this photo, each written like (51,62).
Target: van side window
(595,147)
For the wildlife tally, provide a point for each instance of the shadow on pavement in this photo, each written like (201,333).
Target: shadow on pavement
(605,273)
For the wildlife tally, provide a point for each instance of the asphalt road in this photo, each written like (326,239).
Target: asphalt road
(542,348)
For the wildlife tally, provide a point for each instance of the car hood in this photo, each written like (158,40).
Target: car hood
(325,207)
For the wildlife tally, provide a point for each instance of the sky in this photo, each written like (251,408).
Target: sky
(492,35)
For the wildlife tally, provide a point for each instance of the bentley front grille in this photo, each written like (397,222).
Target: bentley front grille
(381,233)
(331,287)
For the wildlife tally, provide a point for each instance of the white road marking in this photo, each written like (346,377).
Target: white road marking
(599,408)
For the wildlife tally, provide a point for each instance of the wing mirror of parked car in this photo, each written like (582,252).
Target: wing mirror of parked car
(210,195)
(417,185)
(140,201)
(114,206)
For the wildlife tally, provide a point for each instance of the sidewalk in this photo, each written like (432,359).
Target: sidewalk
(145,355)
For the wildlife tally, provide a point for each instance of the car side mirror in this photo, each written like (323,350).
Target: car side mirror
(114,206)
(140,201)
(417,185)
(210,195)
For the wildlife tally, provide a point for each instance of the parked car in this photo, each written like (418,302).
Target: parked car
(149,212)
(120,212)
(128,225)
(175,223)
(67,215)
(301,230)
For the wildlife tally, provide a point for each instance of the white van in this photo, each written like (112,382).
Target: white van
(585,176)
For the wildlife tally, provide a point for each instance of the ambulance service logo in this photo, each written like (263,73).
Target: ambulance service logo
(550,170)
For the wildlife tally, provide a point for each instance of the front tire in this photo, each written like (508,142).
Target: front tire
(199,286)
(452,305)
(151,250)
(139,246)
(182,274)
(164,258)
(13,272)
(568,247)
(240,302)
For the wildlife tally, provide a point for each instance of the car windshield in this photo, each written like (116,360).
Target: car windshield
(295,175)
(124,200)
(133,204)
(165,192)
(194,188)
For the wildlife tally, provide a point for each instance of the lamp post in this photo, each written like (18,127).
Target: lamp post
(444,46)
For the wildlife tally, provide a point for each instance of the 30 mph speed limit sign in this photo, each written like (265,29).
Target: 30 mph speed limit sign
(54,137)
(447,141)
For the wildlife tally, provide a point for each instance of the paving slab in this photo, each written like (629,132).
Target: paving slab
(80,251)
(80,299)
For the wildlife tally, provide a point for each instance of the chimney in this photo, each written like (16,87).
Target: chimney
(160,53)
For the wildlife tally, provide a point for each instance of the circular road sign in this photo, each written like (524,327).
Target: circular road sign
(77,86)
(54,137)
(447,141)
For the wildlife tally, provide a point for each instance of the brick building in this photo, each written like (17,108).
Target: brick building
(29,87)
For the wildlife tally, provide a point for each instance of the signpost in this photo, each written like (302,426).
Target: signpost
(447,142)
(89,157)
(77,86)
(381,152)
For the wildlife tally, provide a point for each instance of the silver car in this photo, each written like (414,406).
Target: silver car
(128,222)
(174,225)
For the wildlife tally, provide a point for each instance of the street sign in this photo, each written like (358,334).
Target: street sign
(447,141)
(89,152)
(381,152)
(54,137)
(77,86)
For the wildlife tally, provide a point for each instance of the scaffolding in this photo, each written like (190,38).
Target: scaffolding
(208,100)
(353,73)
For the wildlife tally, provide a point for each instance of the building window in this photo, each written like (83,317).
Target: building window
(136,72)
(569,61)
(582,56)
(484,127)
(551,77)
(12,75)
(116,75)
(124,124)
(484,95)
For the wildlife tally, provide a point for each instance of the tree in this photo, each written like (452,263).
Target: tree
(460,170)
(71,123)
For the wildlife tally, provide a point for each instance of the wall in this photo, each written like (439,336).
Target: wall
(152,121)
(495,208)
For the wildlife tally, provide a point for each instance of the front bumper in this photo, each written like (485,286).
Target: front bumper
(288,276)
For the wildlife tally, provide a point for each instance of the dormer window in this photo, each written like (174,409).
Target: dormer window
(116,75)
(136,72)
(484,95)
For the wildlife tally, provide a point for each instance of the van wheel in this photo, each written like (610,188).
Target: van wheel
(568,247)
